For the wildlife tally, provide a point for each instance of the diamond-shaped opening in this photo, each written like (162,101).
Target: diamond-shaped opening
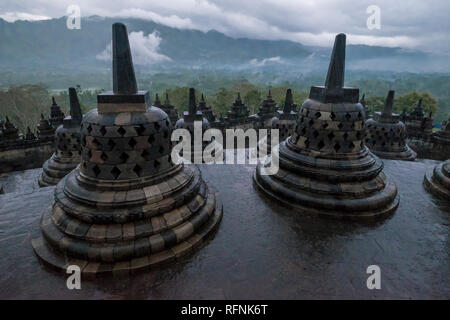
(311,122)
(325,125)
(337,146)
(116,172)
(139,129)
(103,130)
(124,157)
(103,156)
(161,149)
(317,115)
(315,133)
(121,131)
(132,143)
(151,139)
(332,116)
(157,126)
(307,143)
(340,125)
(331,136)
(301,119)
(345,136)
(351,145)
(89,129)
(156,164)
(70,153)
(146,155)
(95,142)
(321,144)
(96,170)
(111,144)
(347,116)
(137,169)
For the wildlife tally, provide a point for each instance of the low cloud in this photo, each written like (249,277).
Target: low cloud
(263,62)
(14,16)
(144,49)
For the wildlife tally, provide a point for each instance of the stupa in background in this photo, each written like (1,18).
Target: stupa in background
(171,111)
(386,134)
(237,116)
(127,207)
(68,149)
(56,115)
(44,130)
(206,111)
(187,122)
(285,119)
(324,167)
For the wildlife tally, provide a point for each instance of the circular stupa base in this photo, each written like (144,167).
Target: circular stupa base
(54,170)
(372,207)
(59,262)
(117,231)
(437,180)
(407,155)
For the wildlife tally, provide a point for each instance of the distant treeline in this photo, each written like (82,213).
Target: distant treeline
(23,104)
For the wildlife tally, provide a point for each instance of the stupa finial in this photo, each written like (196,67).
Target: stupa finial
(124,80)
(335,75)
(389,103)
(167,102)
(288,101)
(75,108)
(192,104)
(53,100)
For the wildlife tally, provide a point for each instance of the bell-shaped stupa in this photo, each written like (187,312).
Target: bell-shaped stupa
(171,110)
(68,148)
(44,130)
(324,167)
(127,207)
(386,134)
(56,115)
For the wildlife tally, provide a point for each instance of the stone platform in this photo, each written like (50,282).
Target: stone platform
(261,250)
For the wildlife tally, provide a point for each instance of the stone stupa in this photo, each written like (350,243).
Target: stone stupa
(386,134)
(237,116)
(171,111)
(56,115)
(285,119)
(44,130)
(127,207)
(190,117)
(325,168)
(68,149)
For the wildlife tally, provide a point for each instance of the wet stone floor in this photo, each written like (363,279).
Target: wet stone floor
(261,250)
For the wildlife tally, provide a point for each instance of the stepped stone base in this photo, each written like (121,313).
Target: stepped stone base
(407,155)
(54,170)
(352,189)
(437,180)
(126,228)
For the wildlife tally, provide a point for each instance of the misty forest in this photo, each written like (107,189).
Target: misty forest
(44,58)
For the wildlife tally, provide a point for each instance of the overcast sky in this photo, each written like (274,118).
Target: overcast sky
(416,24)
